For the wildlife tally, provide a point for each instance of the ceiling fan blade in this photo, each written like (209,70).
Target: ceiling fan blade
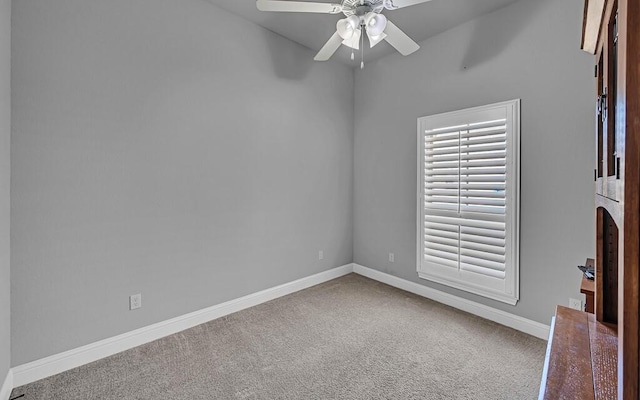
(395,4)
(398,39)
(298,6)
(329,48)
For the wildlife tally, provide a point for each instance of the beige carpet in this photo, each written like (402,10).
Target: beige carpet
(350,338)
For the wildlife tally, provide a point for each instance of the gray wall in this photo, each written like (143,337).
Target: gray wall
(5,136)
(528,50)
(171,149)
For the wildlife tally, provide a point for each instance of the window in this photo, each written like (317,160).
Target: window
(468,192)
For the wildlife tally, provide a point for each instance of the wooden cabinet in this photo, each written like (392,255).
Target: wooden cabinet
(588,288)
(609,139)
(616,25)
(582,341)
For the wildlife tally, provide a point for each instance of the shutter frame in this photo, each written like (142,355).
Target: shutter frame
(491,156)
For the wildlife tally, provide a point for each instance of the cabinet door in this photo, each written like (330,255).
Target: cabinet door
(609,167)
(600,126)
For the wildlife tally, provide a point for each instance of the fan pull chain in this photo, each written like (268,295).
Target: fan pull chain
(362,49)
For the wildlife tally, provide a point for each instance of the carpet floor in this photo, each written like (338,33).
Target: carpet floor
(349,338)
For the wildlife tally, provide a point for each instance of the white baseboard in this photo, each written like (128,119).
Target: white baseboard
(504,318)
(7,386)
(55,364)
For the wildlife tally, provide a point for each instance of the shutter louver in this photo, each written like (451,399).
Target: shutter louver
(465,169)
(466,173)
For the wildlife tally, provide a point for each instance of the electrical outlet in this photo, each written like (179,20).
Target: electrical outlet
(321,255)
(575,304)
(135,301)
(392,257)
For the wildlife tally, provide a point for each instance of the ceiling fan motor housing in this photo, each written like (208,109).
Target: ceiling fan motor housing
(361,8)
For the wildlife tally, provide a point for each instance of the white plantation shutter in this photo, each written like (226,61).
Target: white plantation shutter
(468,200)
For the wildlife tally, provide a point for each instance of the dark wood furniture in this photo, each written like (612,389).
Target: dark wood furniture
(581,358)
(588,288)
(611,32)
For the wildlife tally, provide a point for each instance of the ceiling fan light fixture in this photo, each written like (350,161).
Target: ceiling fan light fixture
(374,40)
(347,27)
(362,16)
(375,23)
(354,40)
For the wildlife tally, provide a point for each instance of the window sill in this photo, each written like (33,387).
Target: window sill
(464,286)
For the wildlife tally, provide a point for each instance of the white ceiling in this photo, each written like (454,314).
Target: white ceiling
(313,30)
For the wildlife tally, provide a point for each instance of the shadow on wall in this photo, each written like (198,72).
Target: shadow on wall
(490,36)
(288,61)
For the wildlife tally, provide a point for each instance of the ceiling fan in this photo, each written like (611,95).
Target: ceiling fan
(360,14)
